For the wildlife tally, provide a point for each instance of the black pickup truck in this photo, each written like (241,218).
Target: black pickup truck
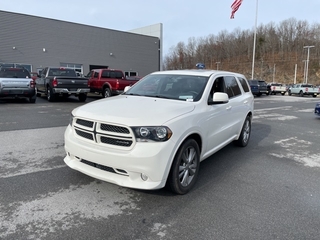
(60,81)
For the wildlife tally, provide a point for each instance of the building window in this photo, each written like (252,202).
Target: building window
(77,67)
(131,74)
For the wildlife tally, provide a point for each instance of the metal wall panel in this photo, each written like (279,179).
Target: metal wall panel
(48,42)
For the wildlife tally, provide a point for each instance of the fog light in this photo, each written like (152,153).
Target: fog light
(144,177)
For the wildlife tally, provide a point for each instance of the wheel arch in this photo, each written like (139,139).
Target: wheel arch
(196,137)
(106,85)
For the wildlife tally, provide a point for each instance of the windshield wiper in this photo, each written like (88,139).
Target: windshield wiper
(157,96)
(132,94)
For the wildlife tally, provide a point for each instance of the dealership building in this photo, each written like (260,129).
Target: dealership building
(36,42)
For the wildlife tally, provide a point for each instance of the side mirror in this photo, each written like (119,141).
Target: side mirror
(126,88)
(220,98)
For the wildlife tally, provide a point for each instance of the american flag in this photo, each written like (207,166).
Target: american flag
(235,6)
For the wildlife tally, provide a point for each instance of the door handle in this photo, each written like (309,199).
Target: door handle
(229,107)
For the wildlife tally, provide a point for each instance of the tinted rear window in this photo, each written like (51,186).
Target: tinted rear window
(62,72)
(14,73)
(244,84)
(253,82)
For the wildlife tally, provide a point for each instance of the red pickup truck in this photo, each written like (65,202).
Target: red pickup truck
(109,82)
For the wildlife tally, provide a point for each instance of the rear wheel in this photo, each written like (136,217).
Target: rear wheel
(245,133)
(50,95)
(289,93)
(314,95)
(106,93)
(185,168)
(33,99)
(82,97)
(301,94)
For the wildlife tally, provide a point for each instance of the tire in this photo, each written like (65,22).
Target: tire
(50,95)
(82,97)
(283,94)
(301,94)
(245,134)
(314,95)
(289,93)
(33,99)
(106,92)
(259,94)
(185,168)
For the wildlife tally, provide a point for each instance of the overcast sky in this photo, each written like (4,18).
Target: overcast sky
(181,19)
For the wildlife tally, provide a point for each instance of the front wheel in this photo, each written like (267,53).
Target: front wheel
(185,168)
(244,137)
(289,93)
(314,95)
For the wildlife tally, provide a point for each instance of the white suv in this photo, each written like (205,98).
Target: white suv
(159,131)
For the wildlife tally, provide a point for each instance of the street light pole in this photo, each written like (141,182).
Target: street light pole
(308,47)
(304,70)
(217,65)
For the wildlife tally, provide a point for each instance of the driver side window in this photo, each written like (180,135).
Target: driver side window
(218,86)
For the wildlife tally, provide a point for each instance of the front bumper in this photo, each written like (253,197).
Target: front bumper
(121,167)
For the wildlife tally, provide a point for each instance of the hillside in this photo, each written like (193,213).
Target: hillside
(280,49)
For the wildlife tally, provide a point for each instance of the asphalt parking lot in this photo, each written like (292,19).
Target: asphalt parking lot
(268,190)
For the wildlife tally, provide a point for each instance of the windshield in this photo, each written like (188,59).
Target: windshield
(179,87)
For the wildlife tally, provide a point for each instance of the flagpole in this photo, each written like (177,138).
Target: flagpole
(254,40)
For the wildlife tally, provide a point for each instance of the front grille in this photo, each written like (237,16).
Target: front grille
(96,165)
(114,141)
(103,133)
(112,128)
(84,134)
(85,123)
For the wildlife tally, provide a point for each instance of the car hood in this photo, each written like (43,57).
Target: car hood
(134,110)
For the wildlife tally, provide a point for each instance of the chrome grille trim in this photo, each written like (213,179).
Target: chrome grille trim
(105,134)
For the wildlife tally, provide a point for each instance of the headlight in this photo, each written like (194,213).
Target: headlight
(147,134)
(71,119)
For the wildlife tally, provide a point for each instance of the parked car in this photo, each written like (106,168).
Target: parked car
(258,87)
(275,88)
(317,109)
(109,82)
(158,131)
(61,81)
(304,89)
(34,75)
(17,83)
